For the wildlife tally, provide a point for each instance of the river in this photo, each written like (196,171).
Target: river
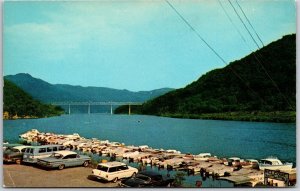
(221,138)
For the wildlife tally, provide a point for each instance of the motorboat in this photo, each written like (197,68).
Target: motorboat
(127,155)
(273,163)
(29,135)
(250,163)
(173,151)
(233,161)
(202,157)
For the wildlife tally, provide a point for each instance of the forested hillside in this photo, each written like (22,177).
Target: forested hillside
(260,87)
(19,104)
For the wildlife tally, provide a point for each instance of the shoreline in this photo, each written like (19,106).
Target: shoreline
(255,116)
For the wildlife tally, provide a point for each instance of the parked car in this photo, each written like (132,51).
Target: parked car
(113,171)
(14,154)
(147,179)
(62,159)
(31,154)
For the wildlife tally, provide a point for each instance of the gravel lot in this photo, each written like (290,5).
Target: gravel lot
(32,176)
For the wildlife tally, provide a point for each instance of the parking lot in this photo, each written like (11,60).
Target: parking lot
(31,176)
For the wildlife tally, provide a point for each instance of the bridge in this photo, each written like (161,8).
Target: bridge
(89,104)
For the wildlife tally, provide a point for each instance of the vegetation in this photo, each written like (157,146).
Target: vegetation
(19,104)
(242,90)
(46,92)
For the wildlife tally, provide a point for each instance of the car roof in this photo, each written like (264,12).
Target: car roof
(112,164)
(64,153)
(43,146)
(21,147)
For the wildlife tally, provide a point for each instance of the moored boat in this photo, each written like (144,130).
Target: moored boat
(273,163)
(202,157)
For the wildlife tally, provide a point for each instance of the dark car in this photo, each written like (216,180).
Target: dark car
(147,179)
(14,153)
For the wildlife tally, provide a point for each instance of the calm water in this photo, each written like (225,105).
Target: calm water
(222,138)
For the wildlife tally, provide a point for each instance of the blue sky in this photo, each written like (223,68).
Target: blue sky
(134,45)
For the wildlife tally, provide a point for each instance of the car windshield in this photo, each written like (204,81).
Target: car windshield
(102,168)
(56,155)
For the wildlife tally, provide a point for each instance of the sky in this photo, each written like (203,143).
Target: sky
(134,45)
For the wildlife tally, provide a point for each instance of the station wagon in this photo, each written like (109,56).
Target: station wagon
(113,171)
(31,154)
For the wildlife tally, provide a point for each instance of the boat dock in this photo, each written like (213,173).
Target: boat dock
(240,173)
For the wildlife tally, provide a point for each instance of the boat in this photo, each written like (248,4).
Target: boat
(128,155)
(250,163)
(273,163)
(29,135)
(188,156)
(233,161)
(202,157)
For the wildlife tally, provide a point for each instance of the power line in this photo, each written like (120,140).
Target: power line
(249,22)
(244,24)
(260,63)
(199,36)
(195,31)
(232,21)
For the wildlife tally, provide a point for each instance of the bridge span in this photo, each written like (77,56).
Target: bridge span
(89,104)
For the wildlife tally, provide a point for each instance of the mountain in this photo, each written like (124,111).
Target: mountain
(47,92)
(260,87)
(19,104)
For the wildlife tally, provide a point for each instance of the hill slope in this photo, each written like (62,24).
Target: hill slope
(18,103)
(221,94)
(47,92)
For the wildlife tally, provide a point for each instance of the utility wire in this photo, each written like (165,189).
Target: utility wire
(232,22)
(199,36)
(249,22)
(260,63)
(244,24)
(195,31)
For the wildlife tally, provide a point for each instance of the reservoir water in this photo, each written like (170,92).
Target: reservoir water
(221,138)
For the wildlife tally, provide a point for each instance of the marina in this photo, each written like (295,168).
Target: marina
(230,169)
(196,136)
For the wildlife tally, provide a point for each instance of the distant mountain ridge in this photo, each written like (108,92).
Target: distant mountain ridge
(46,92)
(221,94)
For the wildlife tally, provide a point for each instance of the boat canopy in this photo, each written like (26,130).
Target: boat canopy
(271,161)
(204,155)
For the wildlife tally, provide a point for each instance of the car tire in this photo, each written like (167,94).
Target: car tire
(60,167)
(86,163)
(133,175)
(115,179)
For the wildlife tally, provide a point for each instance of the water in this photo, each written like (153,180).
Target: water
(189,180)
(221,138)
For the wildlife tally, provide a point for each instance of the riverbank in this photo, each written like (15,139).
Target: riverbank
(6,116)
(254,116)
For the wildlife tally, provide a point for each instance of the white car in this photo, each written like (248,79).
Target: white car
(113,171)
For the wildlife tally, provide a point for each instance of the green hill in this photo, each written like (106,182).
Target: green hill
(240,91)
(19,104)
(47,93)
